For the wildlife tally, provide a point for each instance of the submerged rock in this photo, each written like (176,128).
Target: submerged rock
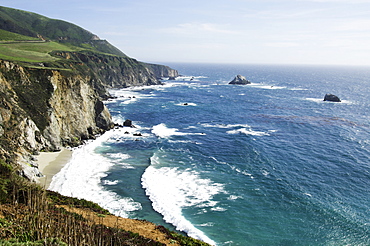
(239,80)
(331,98)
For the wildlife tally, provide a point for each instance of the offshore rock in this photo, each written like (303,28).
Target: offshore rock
(331,98)
(239,80)
(128,123)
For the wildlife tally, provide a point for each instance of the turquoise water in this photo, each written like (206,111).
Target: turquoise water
(269,163)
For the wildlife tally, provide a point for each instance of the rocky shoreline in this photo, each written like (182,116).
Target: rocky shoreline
(44,110)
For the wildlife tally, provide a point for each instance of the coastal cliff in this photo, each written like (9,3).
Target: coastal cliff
(117,71)
(44,110)
(161,71)
(54,76)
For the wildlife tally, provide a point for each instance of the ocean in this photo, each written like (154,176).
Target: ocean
(268,163)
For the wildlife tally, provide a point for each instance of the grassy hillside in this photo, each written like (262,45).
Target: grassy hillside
(35,25)
(11,36)
(30,39)
(32,52)
(19,25)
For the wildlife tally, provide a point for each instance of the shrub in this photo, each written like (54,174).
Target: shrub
(5,174)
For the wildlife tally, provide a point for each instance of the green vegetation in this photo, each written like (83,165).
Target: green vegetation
(30,52)
(30,38)
(181,239)
(10,36)
(29,215)
(38,26)
(6,171)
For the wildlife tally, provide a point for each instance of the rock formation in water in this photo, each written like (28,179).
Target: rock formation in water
(240,80)
(331,98)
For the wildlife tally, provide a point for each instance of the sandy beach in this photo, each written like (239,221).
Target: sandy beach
(50,163)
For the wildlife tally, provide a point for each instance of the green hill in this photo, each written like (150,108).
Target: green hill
(11,36)
(26,26)
(36,41)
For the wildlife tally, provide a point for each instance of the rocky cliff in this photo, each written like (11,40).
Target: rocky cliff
(161,71)
(116,71)
(53,78)
(45,109)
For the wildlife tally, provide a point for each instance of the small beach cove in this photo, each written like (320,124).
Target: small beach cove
(50,163)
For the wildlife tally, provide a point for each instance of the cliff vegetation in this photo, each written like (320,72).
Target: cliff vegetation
(29,215)
(54,77)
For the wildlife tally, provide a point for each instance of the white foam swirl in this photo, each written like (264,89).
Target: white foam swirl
(81,178)
(171,190)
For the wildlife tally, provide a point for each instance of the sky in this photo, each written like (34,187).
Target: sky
(317,32)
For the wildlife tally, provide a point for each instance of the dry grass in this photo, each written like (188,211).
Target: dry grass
(141,227)
(38,219)
(30,215)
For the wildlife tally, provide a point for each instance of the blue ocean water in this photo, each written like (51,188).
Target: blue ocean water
(269,163)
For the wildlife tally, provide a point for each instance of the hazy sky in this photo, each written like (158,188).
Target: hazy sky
(223,31)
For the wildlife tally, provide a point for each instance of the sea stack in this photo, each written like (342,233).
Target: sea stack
(239,80)
(128,123)
(331,98)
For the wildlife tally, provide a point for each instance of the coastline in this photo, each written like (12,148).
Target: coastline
(50,163)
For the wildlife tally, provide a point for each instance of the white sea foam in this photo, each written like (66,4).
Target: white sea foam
(119,158)
(109,182)
(163,131)
(318,100)
(81,178)
(186,104)
(224,125)
(247,131)
(127,133)
(244,172)
(130,95)
(190,78)
(265,173)
(267,87)
(218,209)
(307,194)
(234,197)
(172,189)
(209,224)
(118,119)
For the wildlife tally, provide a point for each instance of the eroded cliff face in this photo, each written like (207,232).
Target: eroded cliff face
(161,71)
(45,109)
(60,104)
(117,71)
